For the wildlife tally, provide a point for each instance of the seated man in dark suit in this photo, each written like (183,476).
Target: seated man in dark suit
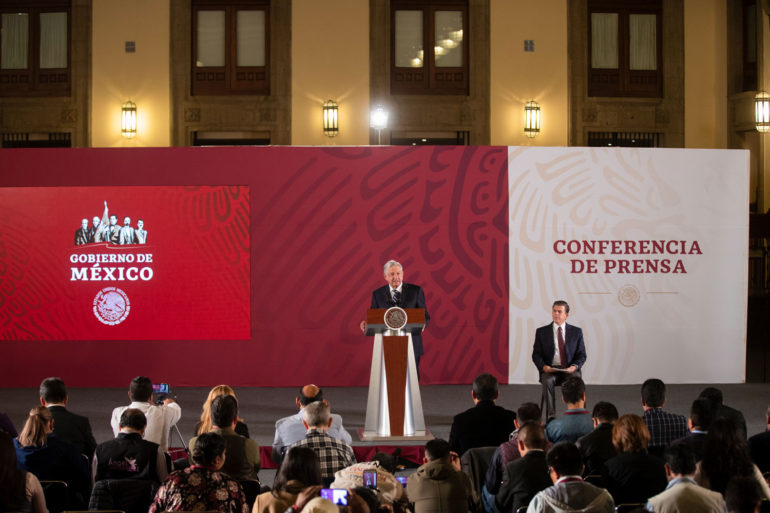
(526,476)
(596,447)
(241,453)
(484,425)
(698,424)
(759,446)
(68,426)
(129,456)
(720,409)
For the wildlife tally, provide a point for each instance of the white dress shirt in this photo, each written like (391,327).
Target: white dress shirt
(159,420)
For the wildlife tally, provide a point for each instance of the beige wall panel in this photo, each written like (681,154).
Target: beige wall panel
(142,77)
(705,74)
(330,61)
(519,76)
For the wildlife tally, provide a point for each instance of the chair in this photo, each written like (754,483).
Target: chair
(94,511)
(251,489)
(475,463)
(56,495)
(521,509)
(595,479)
(629,507)
(128,495)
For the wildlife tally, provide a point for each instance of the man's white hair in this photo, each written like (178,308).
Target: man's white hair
(316,414)
(389,264)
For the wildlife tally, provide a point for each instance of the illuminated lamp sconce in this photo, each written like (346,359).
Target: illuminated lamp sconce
(378,119)
(532,118)
(331,124)
(762,111)
(128,120)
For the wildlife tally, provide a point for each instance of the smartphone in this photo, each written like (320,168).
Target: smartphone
(160,388)
(338,496)
(370,479)
(402,479)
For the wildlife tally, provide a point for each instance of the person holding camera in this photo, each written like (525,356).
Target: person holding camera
(160,417)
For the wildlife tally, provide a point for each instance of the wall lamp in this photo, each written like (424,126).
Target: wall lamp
(378,119)
(532,118)
(128,119)
(331,123)
(762,111)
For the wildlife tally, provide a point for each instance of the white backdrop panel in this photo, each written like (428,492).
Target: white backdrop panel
(682,327)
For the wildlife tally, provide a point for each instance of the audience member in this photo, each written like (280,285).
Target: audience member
(242,461)
(576,421)
(682,492)
(202,487)
(19,490)
(128,456)
(743,495)
(438,485)
(68,426)
(389,490)
(633,475)
(299,470)
(528,474)
(698,424)
(484,425)
(597,447)
(569,492)
(51,458)
(6,425)
(160,419)
(204,424)
(664,427)
(334,454)
(759,446)
(290,430)
(509,451)
(726,455)
(720,409)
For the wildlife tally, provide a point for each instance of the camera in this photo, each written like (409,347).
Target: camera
(370,479)
(338,496)
(160,392)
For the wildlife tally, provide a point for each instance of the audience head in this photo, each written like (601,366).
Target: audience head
(224,411)
(680,460)
(369,497)
(532,435)
(564,459)
(140,390)
(701,414)
(630,434)
(386,461)
(573,390)
(743,495)
(528,412)
(436,449)
(133,419)
(309,394)
(725,454)
(485,387)
(301,464)
(37,427)
(209,447)
(12,480)
(653,393)
(317,415)
(605,412)
(53,391)
(204,426)
(713,396)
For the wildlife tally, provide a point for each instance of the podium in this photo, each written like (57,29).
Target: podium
(394,406)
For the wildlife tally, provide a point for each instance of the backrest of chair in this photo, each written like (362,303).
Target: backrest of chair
(250,489)
(56,495)
(475,463)
(628,508)
(128,495)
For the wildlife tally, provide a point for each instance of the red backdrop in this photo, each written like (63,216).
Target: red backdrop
(322,221)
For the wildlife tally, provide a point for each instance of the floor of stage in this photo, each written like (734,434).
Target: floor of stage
(261,407)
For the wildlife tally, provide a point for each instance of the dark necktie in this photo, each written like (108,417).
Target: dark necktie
(396,297)
(562,349)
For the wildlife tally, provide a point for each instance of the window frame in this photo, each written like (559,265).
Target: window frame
(34,80)
(229,79)
(623,81)
(429,79)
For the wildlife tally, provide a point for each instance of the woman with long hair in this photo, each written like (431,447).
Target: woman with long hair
(19,490)
(202,487)
(51,458)
(204,425)
(633,475)
(299,470)
(726,455)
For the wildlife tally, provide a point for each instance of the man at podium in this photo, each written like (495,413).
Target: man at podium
(403,295)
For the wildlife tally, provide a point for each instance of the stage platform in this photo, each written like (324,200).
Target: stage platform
(261,407)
